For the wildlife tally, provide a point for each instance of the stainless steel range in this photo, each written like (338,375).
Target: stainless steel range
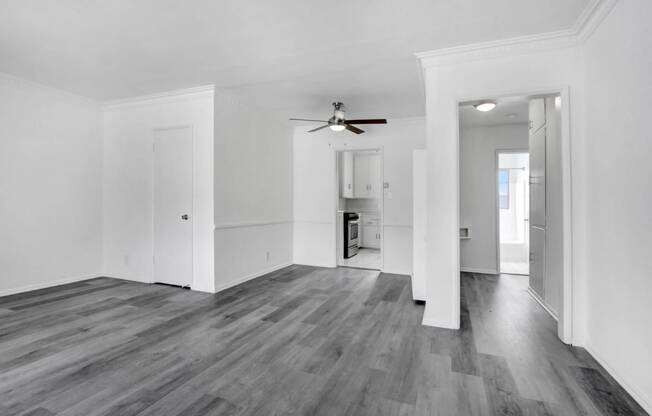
(351,231)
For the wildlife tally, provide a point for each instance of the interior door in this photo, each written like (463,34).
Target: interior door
(537,260)
(537,114)
(173,206)
(538,178)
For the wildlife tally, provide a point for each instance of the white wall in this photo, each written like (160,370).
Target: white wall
(478,192)
(609,89)
(128,158)
(510,71)
(315,190)
(253,191)
(50,186)
(618,102)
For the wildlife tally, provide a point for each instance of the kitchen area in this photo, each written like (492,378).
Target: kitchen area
(359,210)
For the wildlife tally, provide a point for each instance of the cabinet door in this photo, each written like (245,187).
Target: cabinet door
(370,237)
(374,177)
(537,114)
(347,175)
(538,178)
(537,260)
(361,176)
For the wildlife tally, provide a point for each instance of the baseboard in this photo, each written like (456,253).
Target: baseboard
(429,321)
(29,288)
(251,276)
(478,270)
(436,323)
(131,279)
(542,303)
(398,271)
(324,265)
(635,392)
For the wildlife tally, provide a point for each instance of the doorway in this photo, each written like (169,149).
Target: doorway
(513,212)
(359,208)
(172,206)
(513,185)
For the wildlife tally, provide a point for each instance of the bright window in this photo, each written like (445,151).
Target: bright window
(503,188)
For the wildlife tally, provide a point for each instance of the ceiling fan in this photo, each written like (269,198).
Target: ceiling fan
(339,123)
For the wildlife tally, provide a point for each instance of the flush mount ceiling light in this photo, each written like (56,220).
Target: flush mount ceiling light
(485,106)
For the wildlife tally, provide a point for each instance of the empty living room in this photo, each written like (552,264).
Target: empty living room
(433,208)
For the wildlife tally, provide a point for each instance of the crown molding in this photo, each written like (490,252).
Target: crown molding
(590,18)
(167,96)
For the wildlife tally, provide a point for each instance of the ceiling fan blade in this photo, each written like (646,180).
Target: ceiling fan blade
(367,121)
(318,128)
(307,119)
(354,129)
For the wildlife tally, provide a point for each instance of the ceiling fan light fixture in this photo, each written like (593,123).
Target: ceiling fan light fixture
(485,106)
(337,127)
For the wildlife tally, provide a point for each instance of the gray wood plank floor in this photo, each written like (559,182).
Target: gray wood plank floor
(299,341)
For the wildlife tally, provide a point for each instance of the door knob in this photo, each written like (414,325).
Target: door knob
(184,217)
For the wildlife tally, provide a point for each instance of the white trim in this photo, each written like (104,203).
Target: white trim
(427,321)
(542,303)
(634,391)
(131,279)
(251,276)
(478,270)
(174,95)
(590,18)
(242,224)
(37,286)
(497,48)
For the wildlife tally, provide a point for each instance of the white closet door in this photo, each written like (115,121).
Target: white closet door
(173,206)
(537,260)
(538,178)
(537,114)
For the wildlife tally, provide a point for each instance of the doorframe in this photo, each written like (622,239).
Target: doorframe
(497,201)
(192,199)
(565,321)
(336,149)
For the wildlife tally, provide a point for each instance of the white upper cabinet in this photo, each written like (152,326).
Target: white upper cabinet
(366,176)
(361,176)
(375,181)
(347,175)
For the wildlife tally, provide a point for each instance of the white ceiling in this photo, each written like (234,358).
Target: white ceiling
(510,110)
(292,56)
